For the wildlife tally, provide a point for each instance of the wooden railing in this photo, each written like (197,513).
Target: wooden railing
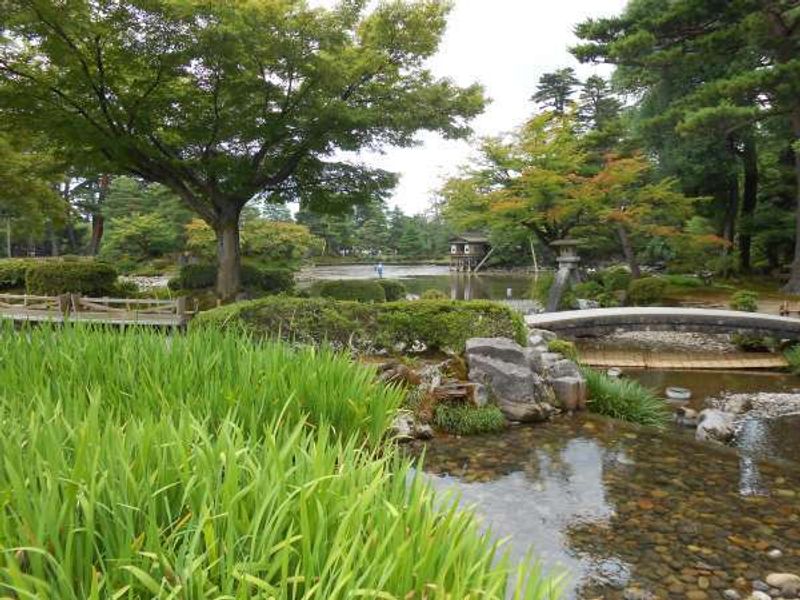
(75,308)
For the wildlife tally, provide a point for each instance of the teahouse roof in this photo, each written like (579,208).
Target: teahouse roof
(471,237)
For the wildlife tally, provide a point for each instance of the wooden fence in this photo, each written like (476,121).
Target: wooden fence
(77,308)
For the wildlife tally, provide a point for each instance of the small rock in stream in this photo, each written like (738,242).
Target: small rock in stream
(788,584)
(633,593)
(759,595)
(731,594)
(775,553)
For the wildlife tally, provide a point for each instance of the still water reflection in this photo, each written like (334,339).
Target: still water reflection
(617,505)
(419,278)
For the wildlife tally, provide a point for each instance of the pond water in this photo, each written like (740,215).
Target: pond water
(615,505)
(419,278)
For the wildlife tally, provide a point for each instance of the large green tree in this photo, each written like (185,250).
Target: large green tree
(226,101)
(744,63)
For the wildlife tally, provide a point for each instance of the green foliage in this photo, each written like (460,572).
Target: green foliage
(624,399)
(275,242)
(12,273)
(194,277)
(139,237)
(468,420)
(683,281)
(393,289)
(565,348)
(754,343)
(744,300)
(540,291)
(359,290)
(607,286)
(88,277)
(263,279)
(437,324)
(433,294)
(793,356)
(647,291)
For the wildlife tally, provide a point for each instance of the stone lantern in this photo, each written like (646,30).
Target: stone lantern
(567,273)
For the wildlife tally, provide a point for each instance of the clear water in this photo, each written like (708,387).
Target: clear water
(615,505)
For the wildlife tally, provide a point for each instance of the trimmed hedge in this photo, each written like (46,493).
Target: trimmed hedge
(647,291)
(394,289)
(438,324)
(358,290)
(204,276)
(468,420)
(12,273)
(92,278)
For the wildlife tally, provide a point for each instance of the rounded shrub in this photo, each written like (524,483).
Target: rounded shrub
(647,291)
(433,294)
(91,278)
(12,273)
(194,277)
(358,290)
(744,300)
(394,289)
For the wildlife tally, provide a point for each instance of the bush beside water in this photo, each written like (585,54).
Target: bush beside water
(393,289)
(468,420)
(357,290)
(439,324)
(624,399)
(647,291)
(210,465)
(204,276)
(744,300)
(12,273)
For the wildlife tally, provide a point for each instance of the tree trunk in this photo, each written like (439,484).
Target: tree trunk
(98,226)
(749,200)
(627,250)
(98,221)
(8,237)
(731,210)
(229,258)
(793,286)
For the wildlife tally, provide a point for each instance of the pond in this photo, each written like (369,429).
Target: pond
(616,506)
(419,278)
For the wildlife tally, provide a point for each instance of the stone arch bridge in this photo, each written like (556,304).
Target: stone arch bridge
(602,321)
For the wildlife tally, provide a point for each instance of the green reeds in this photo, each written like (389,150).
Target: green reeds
(624,399)
(135,465)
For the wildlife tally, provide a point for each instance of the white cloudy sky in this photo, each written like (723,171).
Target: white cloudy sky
(506,45)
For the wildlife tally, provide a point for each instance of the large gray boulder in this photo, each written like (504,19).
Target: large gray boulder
(498,349)
(715,426)
(503,367)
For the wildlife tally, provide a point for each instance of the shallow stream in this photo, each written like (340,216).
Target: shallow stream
(616,506)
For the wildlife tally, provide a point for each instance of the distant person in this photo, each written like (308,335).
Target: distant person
(379,269)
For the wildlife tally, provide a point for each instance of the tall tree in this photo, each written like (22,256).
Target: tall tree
(222,102)
(556,89)
(758,42)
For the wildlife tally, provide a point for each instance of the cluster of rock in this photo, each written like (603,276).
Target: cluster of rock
(775,586)
(530,383)
(721,422)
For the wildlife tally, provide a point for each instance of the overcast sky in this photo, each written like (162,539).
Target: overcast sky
(506,45)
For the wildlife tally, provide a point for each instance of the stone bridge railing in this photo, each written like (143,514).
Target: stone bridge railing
(600,321)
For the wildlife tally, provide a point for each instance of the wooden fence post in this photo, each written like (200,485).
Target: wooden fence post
(64,301)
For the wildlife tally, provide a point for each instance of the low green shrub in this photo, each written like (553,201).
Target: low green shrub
(615,279)
(564,347)
(647,291)
(793,356)
(52,277)
(468,420)
(438,324)
(12,273)
(744,300)
(264,279)
(683,281)
(755,343)
(393,289)
(433,294)
(358,290)
(624,399)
